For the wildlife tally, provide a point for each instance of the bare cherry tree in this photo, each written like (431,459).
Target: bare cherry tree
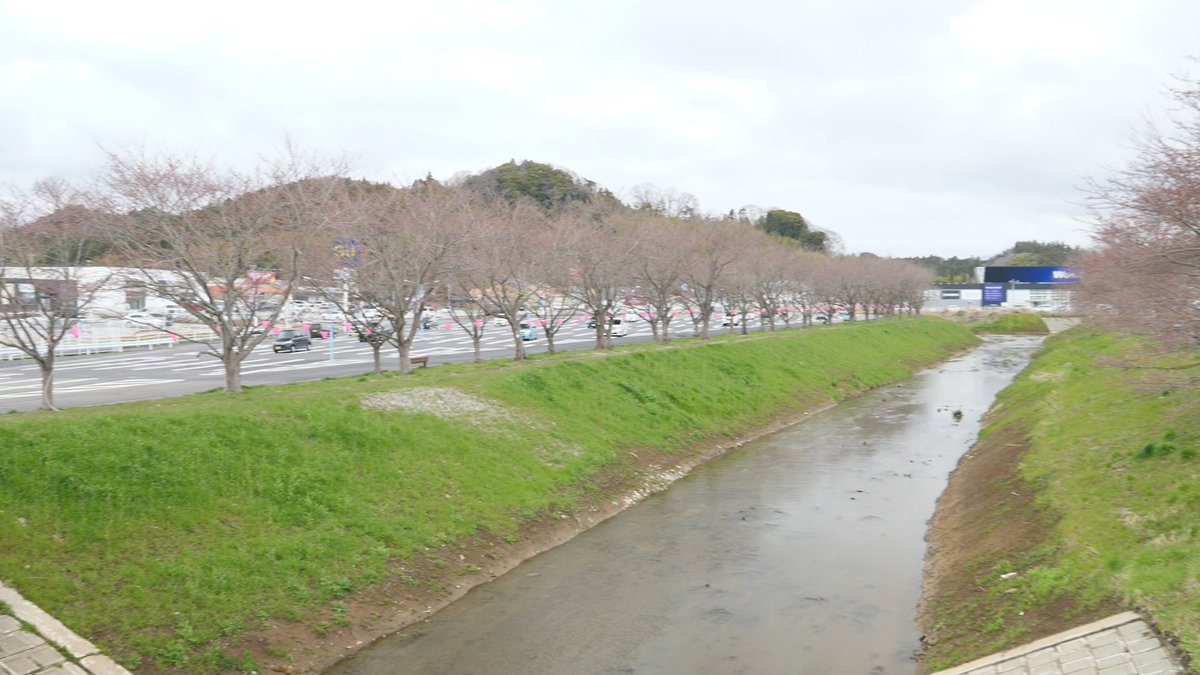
(45,284)
(659,264)
(551,302)
(206,239)
(468,313)
(771,278)
(407,239)
(498,264)
(713,246)
(600,250)
(1144,275)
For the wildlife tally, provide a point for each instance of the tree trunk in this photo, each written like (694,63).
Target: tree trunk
(475,340)
(376,355)
(405,365)
(47,367)
(233,375)
(518,343)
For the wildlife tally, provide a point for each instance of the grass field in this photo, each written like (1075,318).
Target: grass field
(162,530)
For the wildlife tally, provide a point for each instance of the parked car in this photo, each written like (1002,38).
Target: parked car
(732,320)
(374,331)
(290,340)
(147,320)
(318,330)
(528,332)
(617,328)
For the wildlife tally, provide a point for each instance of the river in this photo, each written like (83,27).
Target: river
(801,552)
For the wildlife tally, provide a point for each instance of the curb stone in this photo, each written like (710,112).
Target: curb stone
(23,652)
(1121,644)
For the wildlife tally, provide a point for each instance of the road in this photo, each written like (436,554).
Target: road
(141,374)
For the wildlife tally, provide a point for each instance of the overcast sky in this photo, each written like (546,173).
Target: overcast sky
(945,127)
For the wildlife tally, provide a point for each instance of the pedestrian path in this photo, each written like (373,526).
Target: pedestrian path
(1119,645)
(34,643)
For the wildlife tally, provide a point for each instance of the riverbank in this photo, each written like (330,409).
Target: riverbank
(283,529)
(1077,502)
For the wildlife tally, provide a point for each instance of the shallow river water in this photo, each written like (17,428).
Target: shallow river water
(799,553)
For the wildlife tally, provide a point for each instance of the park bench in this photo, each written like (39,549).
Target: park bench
(422,361)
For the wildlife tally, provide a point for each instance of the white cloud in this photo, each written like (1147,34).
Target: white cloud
(925,127)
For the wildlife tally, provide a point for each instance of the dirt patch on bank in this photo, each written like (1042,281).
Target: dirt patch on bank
(986,532)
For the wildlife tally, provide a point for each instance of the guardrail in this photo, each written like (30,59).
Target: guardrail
(85,347)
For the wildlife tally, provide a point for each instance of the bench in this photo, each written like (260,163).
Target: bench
(422,361)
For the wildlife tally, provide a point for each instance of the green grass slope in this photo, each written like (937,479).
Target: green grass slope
(1114,459)
(163,529)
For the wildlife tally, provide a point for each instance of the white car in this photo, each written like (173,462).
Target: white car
(146,320)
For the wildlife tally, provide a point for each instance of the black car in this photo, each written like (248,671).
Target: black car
(291,340)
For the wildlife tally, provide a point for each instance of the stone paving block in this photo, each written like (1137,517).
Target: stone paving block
(1074,654)
(18,642)
(1084,664)
(1113,661)
(18,665)
(1163,667)
(1118,669)
(1142,645)
(1111,649)
(1040,658)
(64,669)
(1152,656)
(45,656)
(1103,638)
(8,624)
(1134,631)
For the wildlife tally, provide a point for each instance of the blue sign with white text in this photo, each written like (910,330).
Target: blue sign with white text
(1030,275)
(994,294)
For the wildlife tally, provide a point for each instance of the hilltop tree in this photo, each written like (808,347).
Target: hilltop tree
(792,225)
(544,185)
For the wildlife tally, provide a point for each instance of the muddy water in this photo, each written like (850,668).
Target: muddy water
(799,553)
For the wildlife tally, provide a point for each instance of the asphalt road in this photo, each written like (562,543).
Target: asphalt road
(141,374)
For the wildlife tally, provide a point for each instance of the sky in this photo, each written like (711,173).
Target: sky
(923,127)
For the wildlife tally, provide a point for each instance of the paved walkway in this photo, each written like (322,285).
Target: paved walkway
(32,641)
(1119,645)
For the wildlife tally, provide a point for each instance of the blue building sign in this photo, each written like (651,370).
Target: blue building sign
(1031,275)
(994,294)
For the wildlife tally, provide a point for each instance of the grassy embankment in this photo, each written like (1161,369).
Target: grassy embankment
(1011,323)
(165,530)
(1113,522)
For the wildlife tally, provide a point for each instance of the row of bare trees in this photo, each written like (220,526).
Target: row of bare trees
(194,234)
